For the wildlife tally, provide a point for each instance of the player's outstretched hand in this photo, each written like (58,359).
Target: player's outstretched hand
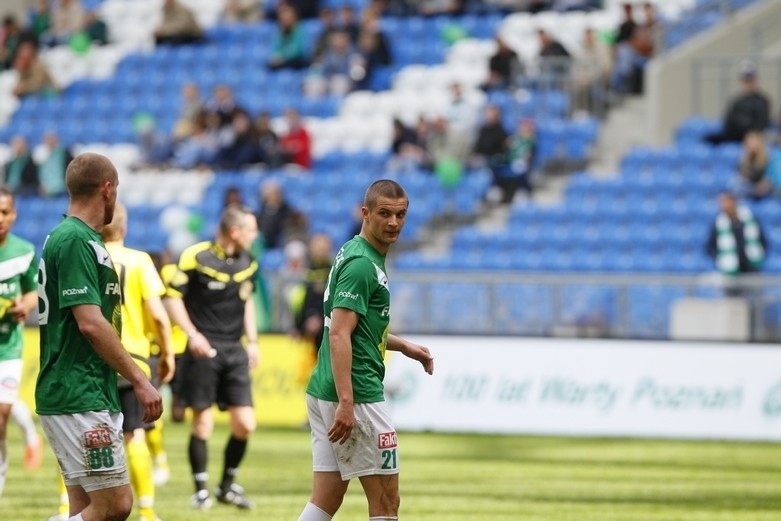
(150,400)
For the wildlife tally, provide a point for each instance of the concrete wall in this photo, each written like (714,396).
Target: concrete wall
(670,97)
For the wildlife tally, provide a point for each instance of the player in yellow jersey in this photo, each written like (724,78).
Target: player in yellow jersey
(142,290)
(154,436)
(179,339)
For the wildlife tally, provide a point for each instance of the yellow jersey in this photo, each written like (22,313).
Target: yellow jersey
(139,281)
(178,337)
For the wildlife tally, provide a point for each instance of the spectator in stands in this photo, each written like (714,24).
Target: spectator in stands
(591,74)
(408,154)
(232,196)
(736,241)
(33,76)
(554,58)
(305,9)
(328,24)
(52,166)
(750,110)
(223,104)
(372,48)
(338,70)
(631,57)
(462,116)
(289,47)
(628,25)
(651,23)
(348,24)
(179,25)
(754,181)
(278,222)
(296,145)
(196,147)
(241,11)
(40,18)
(504,67)
(440,7)
(11,38)
(520,165)
(444,143)
(95,28)
(290,280)
(155,147)
(192,104)
(243,148)
(68,18)
(268,142)
(308,309)
(20,172)
(492,140)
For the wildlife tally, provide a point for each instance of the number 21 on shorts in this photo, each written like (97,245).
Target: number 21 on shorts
(388,443)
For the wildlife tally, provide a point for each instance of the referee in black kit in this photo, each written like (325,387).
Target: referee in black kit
(210,298)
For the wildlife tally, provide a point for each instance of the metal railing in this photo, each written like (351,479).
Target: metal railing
(559,304)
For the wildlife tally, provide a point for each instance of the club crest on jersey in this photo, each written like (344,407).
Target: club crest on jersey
(382,279)
(387,440)
(101,254)
(98,437)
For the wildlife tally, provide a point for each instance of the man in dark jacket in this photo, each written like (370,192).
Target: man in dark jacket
(748,111)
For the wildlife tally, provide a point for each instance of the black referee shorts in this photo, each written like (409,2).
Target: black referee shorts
(223,379)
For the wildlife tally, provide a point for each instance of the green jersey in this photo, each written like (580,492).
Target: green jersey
(357,282)
(17,276)
(75,269)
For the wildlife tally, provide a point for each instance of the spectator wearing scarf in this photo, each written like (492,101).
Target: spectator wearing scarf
(736,242)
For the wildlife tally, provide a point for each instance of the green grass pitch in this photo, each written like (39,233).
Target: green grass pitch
(471,478)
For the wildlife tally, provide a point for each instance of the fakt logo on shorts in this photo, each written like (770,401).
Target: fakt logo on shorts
(99,437)
(388,440)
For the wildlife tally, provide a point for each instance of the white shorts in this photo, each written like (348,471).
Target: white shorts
(371,449)
(89,448)
(10,379)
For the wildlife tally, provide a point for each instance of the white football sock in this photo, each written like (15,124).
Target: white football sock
(21,415)
(313,513)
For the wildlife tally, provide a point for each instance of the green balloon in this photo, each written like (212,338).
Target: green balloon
(195,223)
(449,171)
(452,33)
(80,43)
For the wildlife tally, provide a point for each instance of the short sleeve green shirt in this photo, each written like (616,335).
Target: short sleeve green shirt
(17,276)
(357,282)
(75,269)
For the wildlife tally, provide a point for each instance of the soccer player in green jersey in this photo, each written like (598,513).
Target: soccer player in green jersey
(79,314)
(17,298)
(352,434)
